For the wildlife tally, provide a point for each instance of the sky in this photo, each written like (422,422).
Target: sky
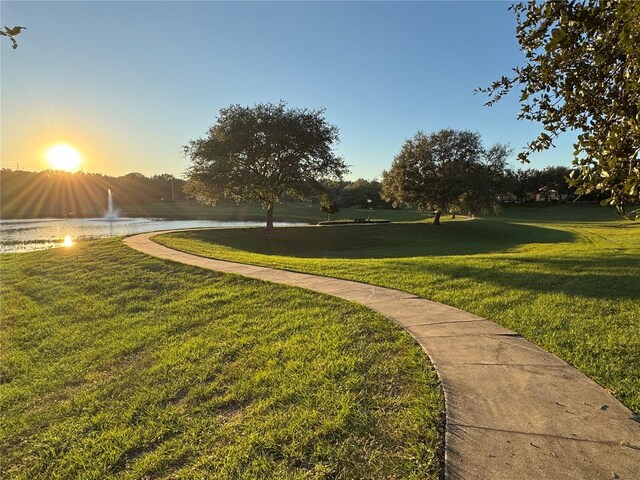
(129,83)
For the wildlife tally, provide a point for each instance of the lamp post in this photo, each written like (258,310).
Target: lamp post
(369,202)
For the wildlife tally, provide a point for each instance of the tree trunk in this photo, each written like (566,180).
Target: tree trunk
(269,217)
(453,215)
(436,219)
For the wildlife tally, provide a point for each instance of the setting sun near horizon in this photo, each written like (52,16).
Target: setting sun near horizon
(64,157)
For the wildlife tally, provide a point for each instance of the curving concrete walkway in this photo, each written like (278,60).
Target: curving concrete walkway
(514,411)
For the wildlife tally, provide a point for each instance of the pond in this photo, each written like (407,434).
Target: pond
(44,233)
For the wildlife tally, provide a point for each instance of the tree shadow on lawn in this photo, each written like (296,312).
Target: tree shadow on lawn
(383,241)
(601,278)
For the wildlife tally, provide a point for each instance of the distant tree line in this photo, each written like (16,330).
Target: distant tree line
(53,193)
(360,193)
(59,194)
(547,185)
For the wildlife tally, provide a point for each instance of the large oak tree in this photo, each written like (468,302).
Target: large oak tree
(262,153)
(446,171)
(582,73)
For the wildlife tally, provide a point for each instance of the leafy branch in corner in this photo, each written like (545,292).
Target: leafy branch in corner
(582,73)
(12,33)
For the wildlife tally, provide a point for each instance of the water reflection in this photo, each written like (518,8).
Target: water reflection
(67,241)
(44,233)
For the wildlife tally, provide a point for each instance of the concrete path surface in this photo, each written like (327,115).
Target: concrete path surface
(514,411)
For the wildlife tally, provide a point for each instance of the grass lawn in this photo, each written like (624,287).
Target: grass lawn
(119,365)
(288,212)
(567,278)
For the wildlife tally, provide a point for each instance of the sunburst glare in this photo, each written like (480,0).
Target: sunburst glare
(64,157)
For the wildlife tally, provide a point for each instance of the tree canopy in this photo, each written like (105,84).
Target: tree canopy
(328,205)
(262,153)
(446,171)
(582,73)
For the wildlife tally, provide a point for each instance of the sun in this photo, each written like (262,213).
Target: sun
(64,157)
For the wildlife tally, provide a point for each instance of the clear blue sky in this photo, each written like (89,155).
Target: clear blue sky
(129,83)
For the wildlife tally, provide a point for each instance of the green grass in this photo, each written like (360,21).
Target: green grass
(565,278)
(119,365)
(288,212)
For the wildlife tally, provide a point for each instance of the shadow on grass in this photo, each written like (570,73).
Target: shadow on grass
(610,278)
(383,241)
(566,213)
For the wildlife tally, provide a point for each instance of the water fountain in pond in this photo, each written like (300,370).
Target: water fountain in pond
(112,212)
